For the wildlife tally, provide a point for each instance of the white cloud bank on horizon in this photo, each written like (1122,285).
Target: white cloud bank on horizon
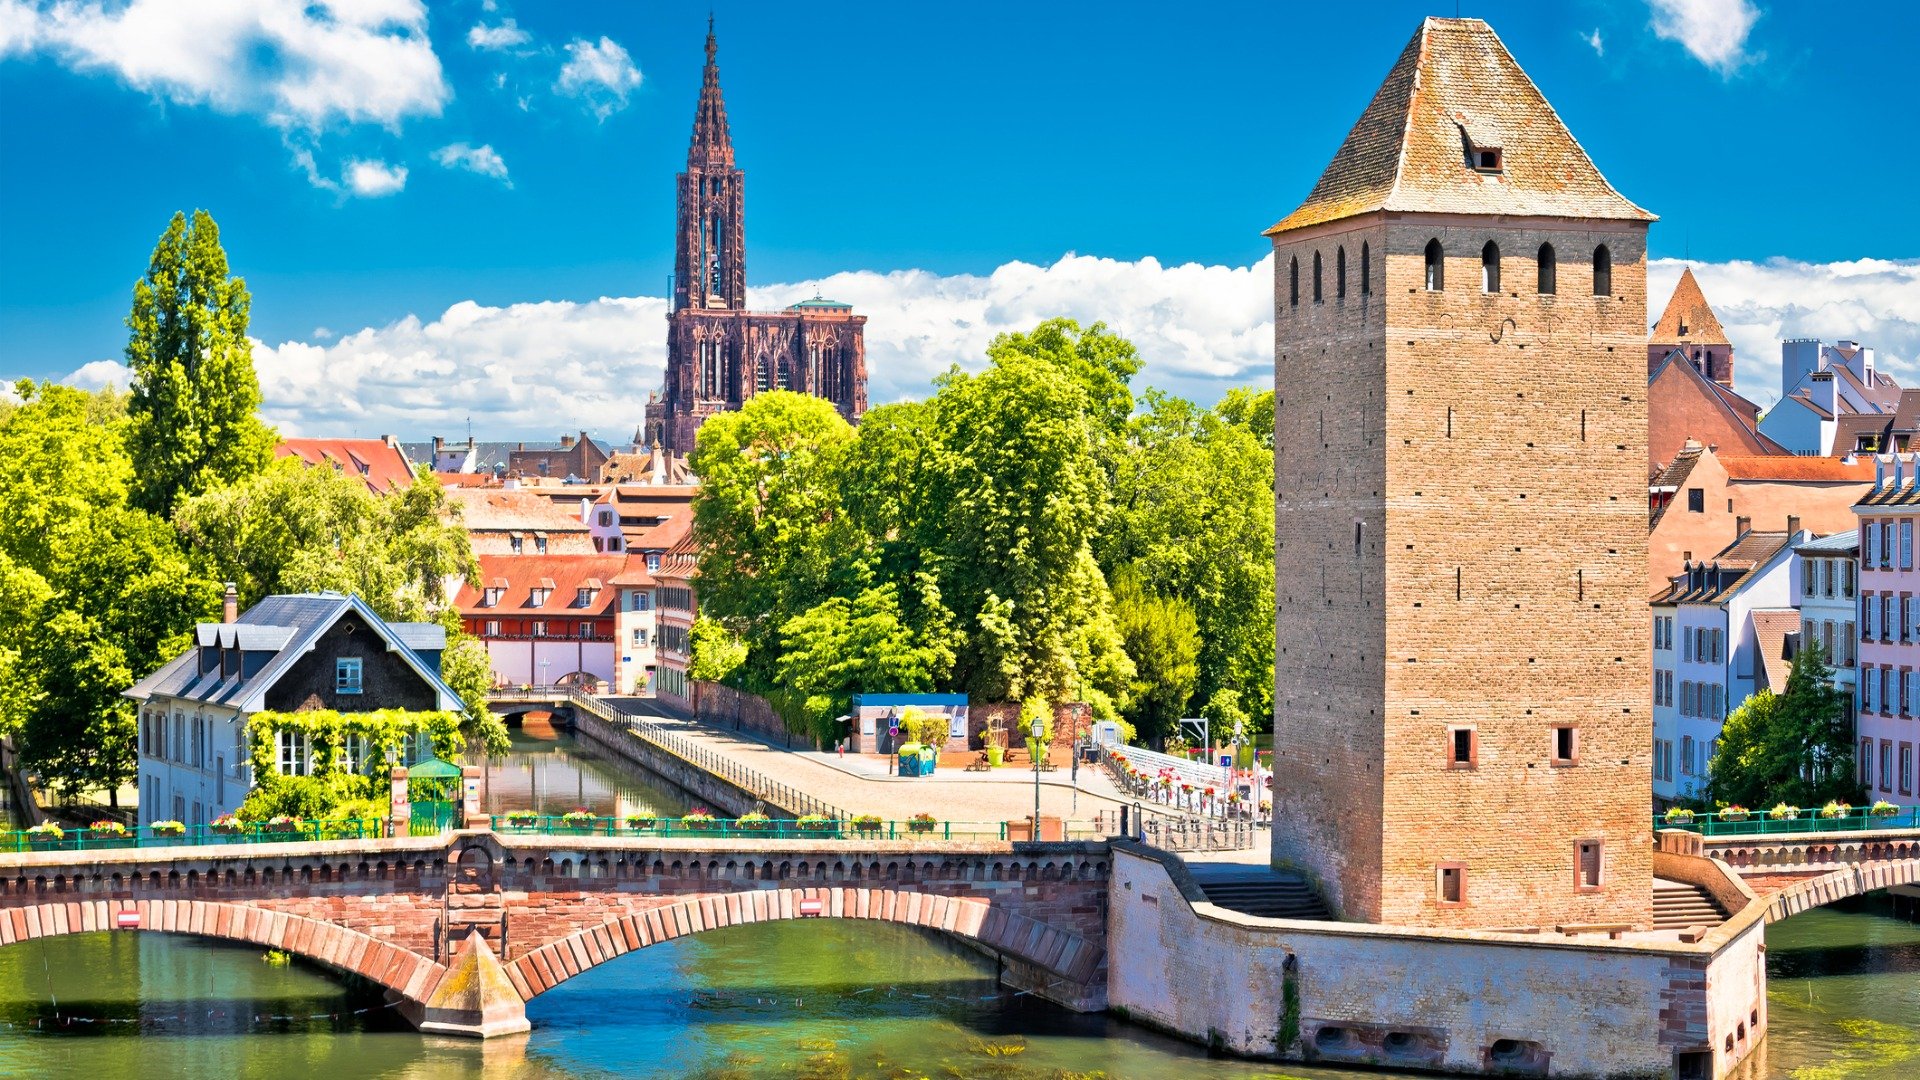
(534,370)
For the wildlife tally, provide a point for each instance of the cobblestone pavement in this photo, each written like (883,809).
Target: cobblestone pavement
(858,786)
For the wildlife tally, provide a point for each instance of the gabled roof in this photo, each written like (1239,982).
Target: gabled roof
(1839,543)
(1456,89)
(1773,630)
(1688,317)
(288,626)
(1721,576)
(1683,404)
(1796,467)
(563,575)
(382,465)
(498,510)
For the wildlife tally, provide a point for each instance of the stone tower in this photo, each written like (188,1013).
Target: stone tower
(1462,736)
(718,353)
(1689,327)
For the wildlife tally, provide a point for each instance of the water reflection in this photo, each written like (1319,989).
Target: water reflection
(553,772)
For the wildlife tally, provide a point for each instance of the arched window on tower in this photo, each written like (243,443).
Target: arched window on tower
(783,374)
(1366,269)
(1436,266)
(1340,272)
(1316,277)
(1602,271)
(1293,281)
(1490,268)
(1549,271)
(713,254)
(763,374)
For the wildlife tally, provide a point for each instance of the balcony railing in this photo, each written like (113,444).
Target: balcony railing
(1814,820)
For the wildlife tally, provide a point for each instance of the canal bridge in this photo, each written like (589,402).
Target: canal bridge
(464,929)
(1797,872)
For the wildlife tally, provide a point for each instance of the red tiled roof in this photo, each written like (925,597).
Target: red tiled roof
(635,572)
(384,467)
(1795,467)
(1688,317)
(565,575)
(1771,628)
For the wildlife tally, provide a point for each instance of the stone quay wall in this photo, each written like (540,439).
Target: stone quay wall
(1437,999)
(716,792)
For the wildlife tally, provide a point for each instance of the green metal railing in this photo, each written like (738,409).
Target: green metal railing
(775,829)
(1763,823)
(145,836)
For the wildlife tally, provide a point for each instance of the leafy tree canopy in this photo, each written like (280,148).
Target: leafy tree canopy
(195,395)
(1791,747)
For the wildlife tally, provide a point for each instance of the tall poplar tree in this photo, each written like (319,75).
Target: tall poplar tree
(195,395)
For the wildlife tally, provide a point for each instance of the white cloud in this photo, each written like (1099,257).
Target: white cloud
(537,368)
(298,65)
(321,333)
(475,159)
(1714,31)
(374,179)
(100,373)
(504,36)
(601,74)
(1593,41)
(1873,301)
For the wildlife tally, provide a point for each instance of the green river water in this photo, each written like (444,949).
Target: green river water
(825,999)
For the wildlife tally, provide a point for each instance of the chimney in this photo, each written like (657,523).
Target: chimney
(439,444)
(1822,392)
(566,442)
(1793,524)
(586,511)
(230,605)
(520,446)
(391,441)
(1741,525)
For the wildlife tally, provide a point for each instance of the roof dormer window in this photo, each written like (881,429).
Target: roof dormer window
(538,597)
(1486,159)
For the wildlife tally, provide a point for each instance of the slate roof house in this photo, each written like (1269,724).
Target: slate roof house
(284,654)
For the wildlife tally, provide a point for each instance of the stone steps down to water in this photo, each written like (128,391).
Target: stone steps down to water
(1677,905)
(1258,891)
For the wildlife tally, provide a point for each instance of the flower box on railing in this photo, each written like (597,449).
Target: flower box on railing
(46,836)
(578,821)
(1883,809)
(922,823)
(521,821)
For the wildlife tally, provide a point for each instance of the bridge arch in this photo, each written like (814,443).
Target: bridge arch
(406,973)
(1840,884)
(1055,955)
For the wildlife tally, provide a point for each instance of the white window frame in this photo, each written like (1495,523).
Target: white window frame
(349,675)
(353,752)
(292,753)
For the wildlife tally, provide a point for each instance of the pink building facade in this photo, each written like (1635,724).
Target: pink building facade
(1888,712)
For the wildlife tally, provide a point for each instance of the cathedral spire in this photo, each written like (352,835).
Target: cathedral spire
(711,142)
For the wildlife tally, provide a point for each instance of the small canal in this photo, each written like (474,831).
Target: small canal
(823,1000)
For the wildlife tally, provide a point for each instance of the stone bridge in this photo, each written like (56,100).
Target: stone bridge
(463,930)
(1795,872)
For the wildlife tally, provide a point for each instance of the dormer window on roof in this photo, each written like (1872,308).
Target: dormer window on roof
(1487,159)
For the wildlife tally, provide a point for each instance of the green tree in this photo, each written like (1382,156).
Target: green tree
(94,594)
(195,394)
(1790,747)
(768,517)
(842,647)
(1163,638)
(1101,361)
(1022,492)
(716,651)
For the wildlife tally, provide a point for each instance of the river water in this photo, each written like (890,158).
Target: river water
(821,1000)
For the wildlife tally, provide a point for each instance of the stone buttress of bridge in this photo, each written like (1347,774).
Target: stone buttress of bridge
(463,930)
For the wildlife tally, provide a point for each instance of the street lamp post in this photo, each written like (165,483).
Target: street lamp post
(1039,729)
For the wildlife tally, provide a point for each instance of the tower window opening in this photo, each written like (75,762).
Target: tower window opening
(1293,281)
(1602,271)
(1340,272)
(1453,884)
(1316,277)
(1549,271)
(1486,159)
(1490,267)
(1366,269)
(1436,266)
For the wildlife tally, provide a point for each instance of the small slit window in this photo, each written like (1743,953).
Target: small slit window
(1293,281)
(1366,269)
(1602,271)
(1463,748)
(1452,884)
(1436,266)
(1549,271)
(1490,268)
(1566,745)
(1588,868)
(1316,277)
(1340,272)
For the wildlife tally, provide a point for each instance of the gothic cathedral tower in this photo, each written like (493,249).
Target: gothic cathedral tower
(1461,728)
(719,354)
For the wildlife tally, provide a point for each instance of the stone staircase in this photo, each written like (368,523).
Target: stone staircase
(1258,891)
(1677,905)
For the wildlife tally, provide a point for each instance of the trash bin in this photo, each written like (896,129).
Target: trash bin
(929,757)
(910,759)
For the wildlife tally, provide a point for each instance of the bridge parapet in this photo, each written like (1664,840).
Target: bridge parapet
(547,908)
(1811,853)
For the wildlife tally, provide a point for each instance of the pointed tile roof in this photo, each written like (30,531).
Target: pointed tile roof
(1454,91)
(1688,317)
(712,143)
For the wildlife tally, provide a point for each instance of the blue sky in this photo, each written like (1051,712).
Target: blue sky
(539,142)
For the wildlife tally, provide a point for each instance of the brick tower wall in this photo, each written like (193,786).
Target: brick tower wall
(1330,460)
(1498,584)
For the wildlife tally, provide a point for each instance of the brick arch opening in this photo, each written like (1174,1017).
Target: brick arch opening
(1057,954)
(406,973)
